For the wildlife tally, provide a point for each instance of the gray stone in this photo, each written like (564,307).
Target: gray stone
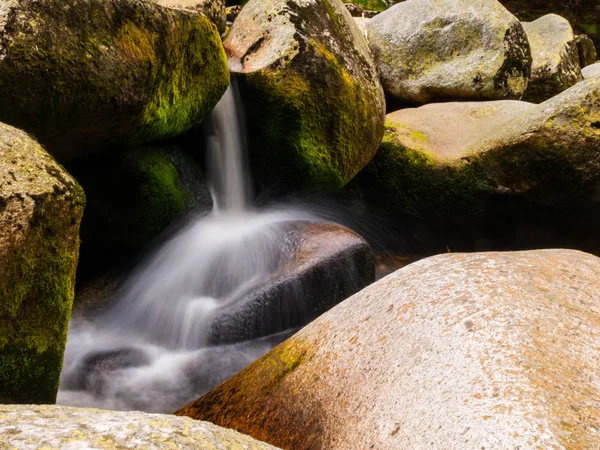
(555,57)
(591,71)
(457,351)
(60,427)
(432,50)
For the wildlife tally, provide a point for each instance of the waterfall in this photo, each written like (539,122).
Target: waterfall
(150,350)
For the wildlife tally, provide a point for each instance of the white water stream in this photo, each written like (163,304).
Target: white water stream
(150,351)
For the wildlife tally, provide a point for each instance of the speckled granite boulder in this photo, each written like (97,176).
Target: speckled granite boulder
(88,74)
(555,55)
(311,89)
(457,351)
(29,427)
(436,50)
(40,210)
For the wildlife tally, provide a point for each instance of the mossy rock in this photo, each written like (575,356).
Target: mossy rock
(40,210)
(526,177)
(133,196)
(95,73)
(316,108)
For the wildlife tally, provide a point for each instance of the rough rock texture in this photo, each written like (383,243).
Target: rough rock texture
(308,80)
(134,195)
(213,9)
(60,427)
(586,49)
(40,211)
(555,55)
(511,173)
(592,71)
(489,350)
(327,264)
(101,72)
(433,50)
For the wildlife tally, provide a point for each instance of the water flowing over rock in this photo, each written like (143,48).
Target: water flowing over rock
(511,172)
(436,50)
(488,350)
(312,89)
(97,73)
(57,427)
(555,55)
(40,210)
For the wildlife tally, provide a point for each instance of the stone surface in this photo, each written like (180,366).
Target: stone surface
(587,50)
(213,9)
(312,90)
(326,264)
(436,50)
(512,174)
(99,73)
(489,350)
(40,210)
(555,55)
(60,427)
(591,71)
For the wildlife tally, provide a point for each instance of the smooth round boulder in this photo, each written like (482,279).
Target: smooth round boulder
(41,207)
(438,50)
(59,427)
(555,55)
(307,79)
(484,350)
(102,73)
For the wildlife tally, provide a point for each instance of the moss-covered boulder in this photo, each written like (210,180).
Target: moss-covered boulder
(435,50)
(316,108)
(40,211)
(96,72)
(512,173)
(556,65)
(213,9)
(458,351)
(133,195)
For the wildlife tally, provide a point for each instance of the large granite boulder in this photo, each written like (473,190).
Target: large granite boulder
(488,350)
(556,65)
(307,79)
(99,73)
(435,50)
(40,210)
(59,427)
(591,71)
(509,173)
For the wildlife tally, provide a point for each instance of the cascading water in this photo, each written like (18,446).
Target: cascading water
(151,350)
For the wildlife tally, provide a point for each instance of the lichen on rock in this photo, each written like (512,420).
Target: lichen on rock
(41,207)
